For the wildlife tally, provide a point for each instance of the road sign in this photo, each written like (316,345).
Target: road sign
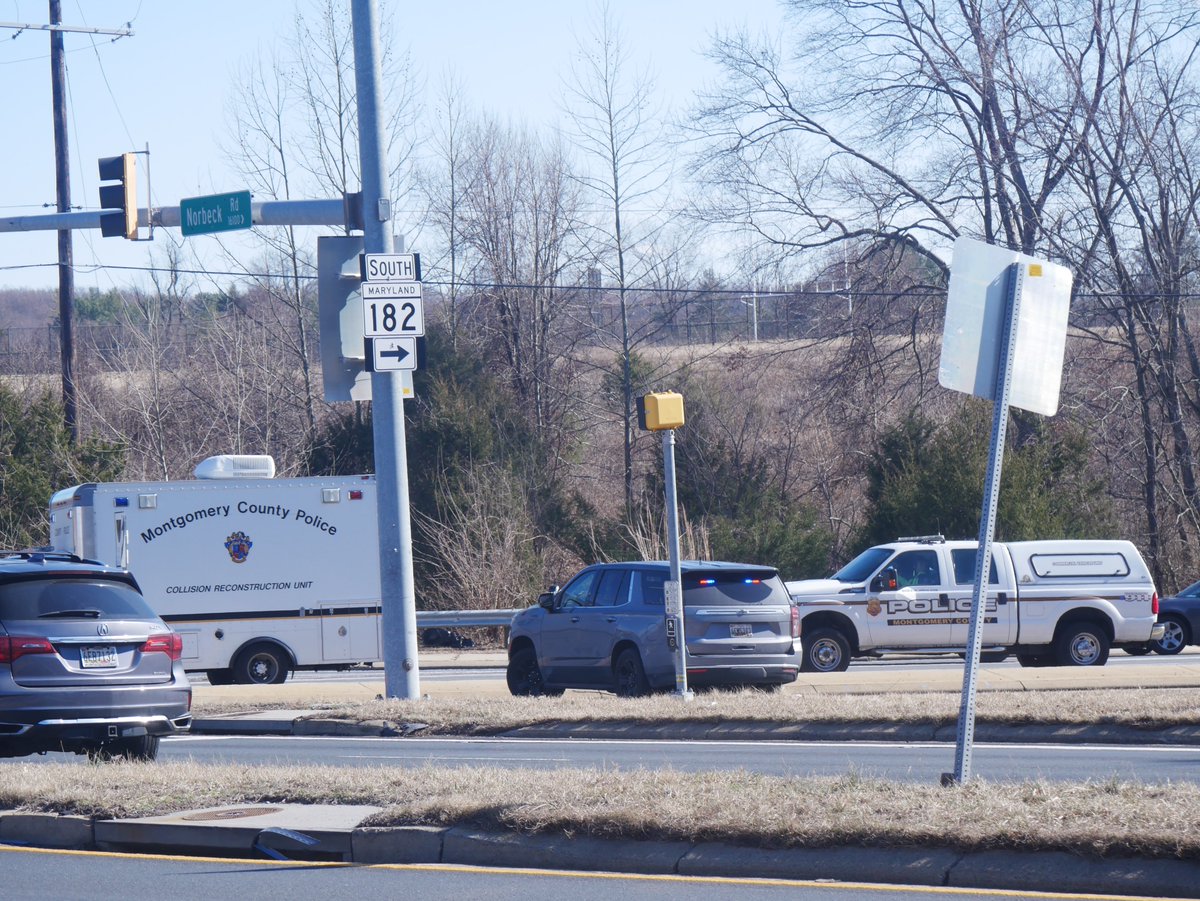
(215,213)
(394,354)
(391,267)
(393,318)
(975,309)
(390,289)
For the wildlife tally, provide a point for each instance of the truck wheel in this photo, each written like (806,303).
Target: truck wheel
(524,676)
(261,664)
(629,676)
(1081,644)
(825,651)
(1175,638)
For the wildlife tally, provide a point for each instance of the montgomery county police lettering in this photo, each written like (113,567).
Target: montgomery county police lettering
(1052,603)
(260,576)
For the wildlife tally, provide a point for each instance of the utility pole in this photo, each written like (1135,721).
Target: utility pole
(62,178)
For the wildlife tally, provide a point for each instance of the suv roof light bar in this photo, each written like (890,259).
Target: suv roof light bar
(925,539)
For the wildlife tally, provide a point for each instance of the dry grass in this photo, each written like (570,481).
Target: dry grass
(1149,709)
(1110,818)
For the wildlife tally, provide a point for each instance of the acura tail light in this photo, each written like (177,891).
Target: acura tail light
(170,644)
(14,646)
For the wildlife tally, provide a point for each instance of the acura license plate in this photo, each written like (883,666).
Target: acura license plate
(98,656)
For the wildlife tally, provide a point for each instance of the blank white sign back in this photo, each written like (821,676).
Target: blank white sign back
(974,326)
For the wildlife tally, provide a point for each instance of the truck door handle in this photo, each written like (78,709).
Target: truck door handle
(944,598)
(574,619)
(610,619)
(1002,598)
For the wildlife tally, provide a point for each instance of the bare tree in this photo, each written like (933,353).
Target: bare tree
(1139,253)
(295,136)
(618,131)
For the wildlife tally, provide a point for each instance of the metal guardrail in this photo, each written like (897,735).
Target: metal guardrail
(457,618)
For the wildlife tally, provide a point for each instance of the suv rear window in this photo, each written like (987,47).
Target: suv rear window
(733,587)
(43,598)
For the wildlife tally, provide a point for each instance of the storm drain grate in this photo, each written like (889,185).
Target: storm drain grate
(237,813)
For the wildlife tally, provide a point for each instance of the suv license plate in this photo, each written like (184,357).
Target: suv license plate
(740,630)
(98,657)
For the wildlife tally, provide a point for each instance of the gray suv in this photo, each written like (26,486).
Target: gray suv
(85,665)
(606,629)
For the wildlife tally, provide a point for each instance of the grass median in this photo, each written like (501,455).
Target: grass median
(1104,819)
(1109,818)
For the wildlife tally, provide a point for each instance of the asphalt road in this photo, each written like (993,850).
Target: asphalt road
(918,762)
(78,876)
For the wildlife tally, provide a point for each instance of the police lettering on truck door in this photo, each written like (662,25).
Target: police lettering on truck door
(918,617)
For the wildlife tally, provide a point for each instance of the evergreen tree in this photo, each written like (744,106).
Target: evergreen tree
(37,458)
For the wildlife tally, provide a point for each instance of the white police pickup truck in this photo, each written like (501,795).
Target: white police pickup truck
(1052,603)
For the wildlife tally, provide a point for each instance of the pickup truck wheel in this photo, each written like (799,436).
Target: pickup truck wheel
(1175,638)
(825,651)
(629,676)
(261,664)
(1081,644)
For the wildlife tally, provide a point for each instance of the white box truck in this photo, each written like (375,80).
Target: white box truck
(260,576)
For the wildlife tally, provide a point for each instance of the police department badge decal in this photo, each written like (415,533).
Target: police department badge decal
(238,544)
(874,606)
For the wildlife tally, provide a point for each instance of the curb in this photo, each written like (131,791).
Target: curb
(1012,870)
(731,730)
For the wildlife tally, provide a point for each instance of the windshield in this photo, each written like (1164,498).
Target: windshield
(861,567)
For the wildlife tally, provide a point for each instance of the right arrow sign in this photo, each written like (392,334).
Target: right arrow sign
(394,354)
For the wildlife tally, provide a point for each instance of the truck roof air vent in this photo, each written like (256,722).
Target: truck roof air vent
(237,466)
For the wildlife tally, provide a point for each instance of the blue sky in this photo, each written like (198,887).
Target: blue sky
(170,85)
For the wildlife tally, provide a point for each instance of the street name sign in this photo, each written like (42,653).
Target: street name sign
(215,213)
(391,267)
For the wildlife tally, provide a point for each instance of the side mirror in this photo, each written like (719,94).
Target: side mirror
(546,598)
(887,580)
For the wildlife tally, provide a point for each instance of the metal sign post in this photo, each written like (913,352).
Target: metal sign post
(398,595)
(673,590)
(987,528)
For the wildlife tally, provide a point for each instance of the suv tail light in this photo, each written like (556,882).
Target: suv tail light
(14,646)
(1154,603)
(170,644)
(795,621)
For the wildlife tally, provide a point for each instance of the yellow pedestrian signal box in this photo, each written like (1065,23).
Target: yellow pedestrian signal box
(659,412)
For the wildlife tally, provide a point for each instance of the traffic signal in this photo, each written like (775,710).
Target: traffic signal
(121,196)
